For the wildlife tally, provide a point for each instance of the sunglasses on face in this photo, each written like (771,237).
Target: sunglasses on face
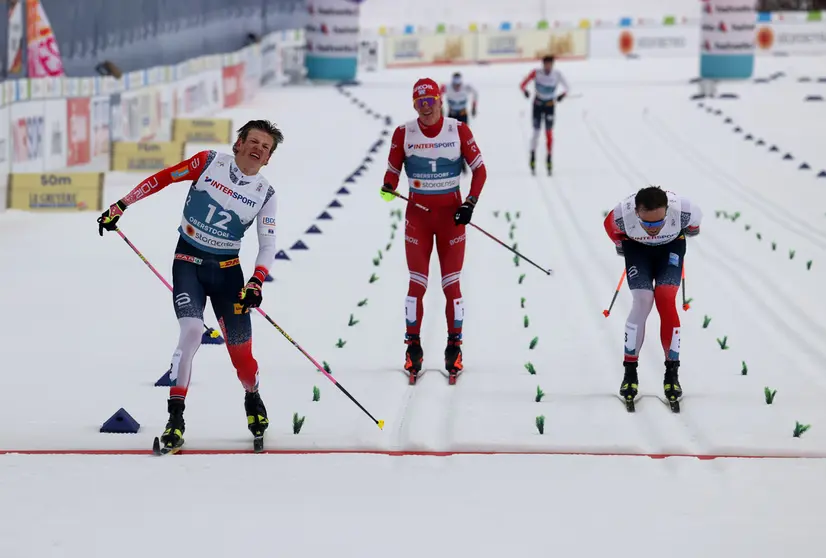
(424,102)
(652,224)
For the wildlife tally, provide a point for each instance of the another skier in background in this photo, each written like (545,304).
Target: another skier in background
(458,96)
(546,80)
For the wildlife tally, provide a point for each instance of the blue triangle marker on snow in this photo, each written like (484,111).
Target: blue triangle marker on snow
(738,129)
(325,215)
(748,137)
(774,148)
(299,246)
(804,166)
(727,121)
(388,121)
(368,159)
(343,190)
(313,230)
(269,278)
(165,380)
(282,255)
(787,157)
(335,203)
(350,179)
(821,174)
(121,423)
(761,142)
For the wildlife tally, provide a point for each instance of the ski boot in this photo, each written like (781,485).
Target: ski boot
(548,164)
(257,420)
(413,357)
(453,357)
(533,163)
(629,387)
(173,437)
(671,385)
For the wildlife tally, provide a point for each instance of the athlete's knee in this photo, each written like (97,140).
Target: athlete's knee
(189,338)
(665,297)
(245,364)
(417,285)
(642,300)
(450,285)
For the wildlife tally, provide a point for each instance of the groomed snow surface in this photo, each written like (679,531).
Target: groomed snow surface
(88,329)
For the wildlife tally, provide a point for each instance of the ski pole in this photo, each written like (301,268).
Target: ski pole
(211,334)
(546,271)
(379,423)
(607,313)
(686,305)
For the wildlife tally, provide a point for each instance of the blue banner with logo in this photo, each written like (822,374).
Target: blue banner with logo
(727,45)
(332,39)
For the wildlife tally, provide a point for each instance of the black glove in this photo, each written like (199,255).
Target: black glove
(109,219)
(250,296)
(473,112)
(465,211)
(620,252)
(527,95)
(559,99)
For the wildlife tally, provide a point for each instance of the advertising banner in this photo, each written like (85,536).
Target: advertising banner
(270,59)
(56,135)
(78,118)
(56,192)
(199,94)
(332,35)
(202,130)
(779,38)
(28,137)
(728,36)
(146,156)
(233,82)
(5,148)
(43,53)
(100,113)
(669,41)
(425,50)
(518,46)
(116,118)
(252,71)
(16,36)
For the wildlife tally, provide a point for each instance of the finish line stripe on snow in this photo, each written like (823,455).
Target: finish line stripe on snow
(391,453)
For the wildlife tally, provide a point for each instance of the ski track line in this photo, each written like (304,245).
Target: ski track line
(694,433)
(733,273)
(707,166)
(647,428)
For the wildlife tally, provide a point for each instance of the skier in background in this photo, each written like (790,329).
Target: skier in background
(432,150)
(227,195)
(546,80)
(649,229)
(458,95)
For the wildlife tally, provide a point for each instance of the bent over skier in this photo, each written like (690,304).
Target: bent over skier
(226,196)
(649,229)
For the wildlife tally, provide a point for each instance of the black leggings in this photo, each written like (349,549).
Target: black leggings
(197,275)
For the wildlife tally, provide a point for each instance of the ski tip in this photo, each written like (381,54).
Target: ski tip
(381,424)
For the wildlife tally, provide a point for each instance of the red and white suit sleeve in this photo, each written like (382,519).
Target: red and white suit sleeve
(614,227)
(395,159)
(523,86)
(185,171)
(473,156)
